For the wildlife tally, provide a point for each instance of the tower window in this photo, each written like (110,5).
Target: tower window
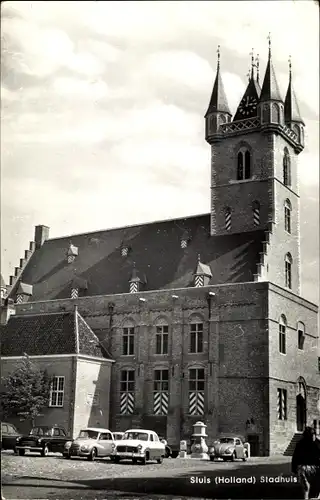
(265,113)
(282,404)
(287,216)
(301,336)
(282,335)
(228,218)
(288,271)
(296,130)
(275,113)
(244,165)
(256,213)
(286,168)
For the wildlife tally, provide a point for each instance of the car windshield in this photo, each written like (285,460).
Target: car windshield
(141,436)
(88,434)
(40,431)
(226,440)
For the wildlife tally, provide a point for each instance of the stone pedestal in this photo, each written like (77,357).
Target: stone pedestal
(183,449)
(199,448)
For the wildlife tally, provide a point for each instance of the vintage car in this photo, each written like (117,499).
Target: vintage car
(91,443)
(9,435)
(139,445)
(43,439)
(228,448)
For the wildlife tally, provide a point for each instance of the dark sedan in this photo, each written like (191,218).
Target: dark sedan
(43,440)
(9,435)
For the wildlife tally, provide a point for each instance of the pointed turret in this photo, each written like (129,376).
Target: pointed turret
(271,102)
(249,102)
(291,106)
(218,111)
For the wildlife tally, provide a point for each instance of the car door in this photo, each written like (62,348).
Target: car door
(106,442)
(157,445)
(239,448)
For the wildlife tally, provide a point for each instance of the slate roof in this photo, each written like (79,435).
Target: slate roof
(270,89)
(291,106)
(218,101)
(156,250)
(54,333)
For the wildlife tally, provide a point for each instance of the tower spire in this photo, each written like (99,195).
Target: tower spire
(258,67)
(252,63)
(291,106)
(218,101)
(270,88)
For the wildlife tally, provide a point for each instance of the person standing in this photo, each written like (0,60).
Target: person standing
(306,463)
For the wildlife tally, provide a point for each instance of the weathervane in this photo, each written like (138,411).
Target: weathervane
(290,66)
(257,66)
(252,63)
(218,52)
(269,38)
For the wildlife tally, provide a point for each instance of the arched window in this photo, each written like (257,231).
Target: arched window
(275,117)
(286,168)
(301,335)
(265,113)
(287,216)
(227,215)
(222,119)
(296,130)
(244,164)
(256,213)
(288,271)
(282,334)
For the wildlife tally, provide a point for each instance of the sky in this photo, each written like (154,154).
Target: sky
(102,107)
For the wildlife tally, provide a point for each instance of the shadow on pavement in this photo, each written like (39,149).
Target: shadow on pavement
(254,481)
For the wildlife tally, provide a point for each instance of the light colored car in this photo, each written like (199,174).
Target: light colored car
(228,448)
(139,445)
(91,443)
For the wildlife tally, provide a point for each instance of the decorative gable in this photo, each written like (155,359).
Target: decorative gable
(24,292)
(72,253)
(136,282)
(202,274)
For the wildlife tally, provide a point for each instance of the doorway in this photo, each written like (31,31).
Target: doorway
(253,440)
(301,413)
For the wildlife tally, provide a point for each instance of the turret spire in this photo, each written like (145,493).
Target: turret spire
(270,89)
(258,67)
(252,64)
(291,107)
(218,101)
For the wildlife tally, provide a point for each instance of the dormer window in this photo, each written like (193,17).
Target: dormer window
(185,239)
(202,274)
(124,251)
(137,281)
(243,164)
(74,293)
(72,253)
(24,293)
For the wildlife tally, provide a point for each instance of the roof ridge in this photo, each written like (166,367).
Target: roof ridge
(127,227)
(32,315)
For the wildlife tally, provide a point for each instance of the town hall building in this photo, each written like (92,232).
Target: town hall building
(162,324)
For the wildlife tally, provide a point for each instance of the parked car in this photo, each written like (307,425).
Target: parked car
(43,439)
(91,443)
(9,435)
(167,447)
(118,435)
(139,445)
(228,448)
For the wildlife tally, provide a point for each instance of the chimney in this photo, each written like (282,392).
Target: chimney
(7,310)
(41,234)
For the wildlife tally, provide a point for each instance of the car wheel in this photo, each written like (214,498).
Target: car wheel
(233,456)
(22,453)
(160,460)
(211,459)
(134,461)
(45,451)
(92,455)
(145,458)
(245,456)
(116,460)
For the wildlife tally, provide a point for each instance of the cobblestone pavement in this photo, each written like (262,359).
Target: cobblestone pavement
(55,478)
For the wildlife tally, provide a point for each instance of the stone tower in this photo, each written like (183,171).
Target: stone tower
(254,171)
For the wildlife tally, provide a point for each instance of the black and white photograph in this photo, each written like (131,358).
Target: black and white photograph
(160,250)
